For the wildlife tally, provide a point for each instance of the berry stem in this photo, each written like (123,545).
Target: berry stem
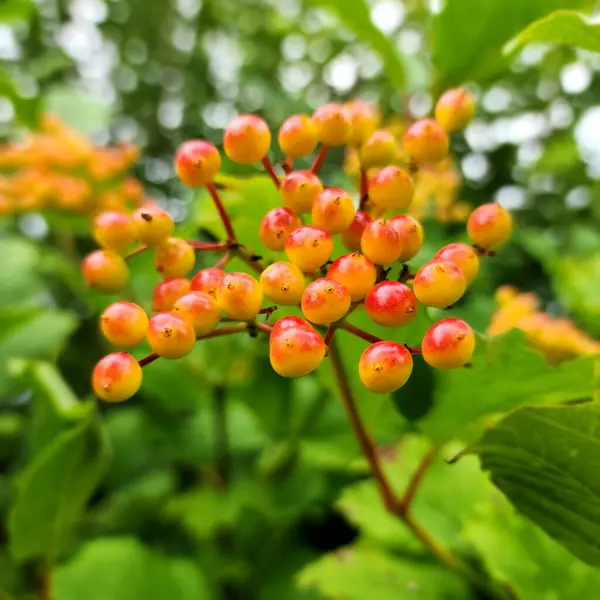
(416,479)
(251,259)
(206,246)
(223,261)
(287,164)
(212,190)
(264,327)
(329,334)
(266,163)
(148,359)
(135,251)
(373,339)
(316,166)
(364,190)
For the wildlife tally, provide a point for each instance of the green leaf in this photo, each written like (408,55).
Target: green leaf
(545,459)
(26,109)
(11,10)
(122,568)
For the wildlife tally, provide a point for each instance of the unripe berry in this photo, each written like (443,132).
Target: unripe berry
(462,256)
(455,109)
(208,280)
(489,226)
(352,236)
(379,150)
(247,139)
(170,336)
(325,301)
(410,232)
(309,248)
(168,291)
(448,344)
(114,230)
(392,304)
(174,257)
(333,210)
(391,187)
(154,225)
(385,367)
(439,284)
(124,324)
(197,162)
(426,142)
(240,296)
(331,125)
(297,136)
(276,226)
(283,283)
(296,351)
(354,271)
(363,119)
(105,271)
(290,323)
(299,190)
(116,377)
(380,242)
(200,310)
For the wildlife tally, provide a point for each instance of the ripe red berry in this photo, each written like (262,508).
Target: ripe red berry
(275,227)
(247,139)
(325,301)
(410,232)
(426,142)
(240,296)
(392,304)
(363,119)
(448,344)
(283,283)
(299,190)
(197,162)
(105,271)
(116,377)
(379,150)
(154,225)
(380,242)
(168,291)
(208,280)
(439,284)
(354,271)
(455,109)
(114,230)
(200,310)
(124,324)
(174,257)
(489,226)
(333,210)
(290,323)
(170,336)
(391,187)
(296,351)
(309,248)
(297,136)
(462,256)
(331,125)
(352,236)
(385,367)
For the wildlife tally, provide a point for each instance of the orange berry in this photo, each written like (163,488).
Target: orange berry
(124,324)
(410,232)
(283,283)
(276,226)
(380,242)
(208,280)
(379,150)
(462,256)
(114,230)
(333,210)
(325,301)
(299,190)
(174,257)
(448,344)
(200,310)
(363,119)
(455,109)
(116,377)
(331,125)
(154,225)
(290,323)
(297,136)
(170,336)
(489,226)
(105,271)
(197,162)
(352,236)
(309,248)
(247,139)
(385,367)
(240,296)
(168,291)
(439,284)
(426,142)
(392,304)
(296,351)
(354,271)
(391,187)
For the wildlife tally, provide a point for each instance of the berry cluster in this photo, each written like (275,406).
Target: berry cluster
(326,291)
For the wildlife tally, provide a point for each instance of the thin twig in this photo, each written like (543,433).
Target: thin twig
(135,251)
(373,339)
(266,163)
(316,166)
(364,190)
(264,327)
(287,164)
(212,190)
(329,334)
(223,261)
(416,479)
(251,259)
(207,246)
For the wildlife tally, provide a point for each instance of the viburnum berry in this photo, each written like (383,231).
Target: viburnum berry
(299,190)
(297,136)
(426,142)
(385,367)
(208,280)
(290,322)
(295,349)
(448,344)
(116,377)
(105,271)
(240,296)
(462,256)
(455,109)
(380,242)
(309,248)
(379,150)
(197,162)
(124,324)
(283,283)
(352,236)
(325,301)
(276,226)
(114,230)
(174,257)
(439,283)
(489,226)
(363,119)
(247,139)
(331,125)
(168,291)
(354,271)
(391,187)
(170,336)
(410,232)
(333,210)
(392,304)
(200,310)
(154,225)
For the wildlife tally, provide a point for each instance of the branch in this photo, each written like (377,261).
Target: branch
(416,479)
(316,166)
(266,163)
(212,190)
(207,246)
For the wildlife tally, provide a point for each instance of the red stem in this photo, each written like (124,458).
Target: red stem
(416,479)
(364,189)
(223,261)
(266,163)
(135,251)
(319,159)
(264,327)
(329,334)
(287,164)
(373,339)
(206,246)
(212,190)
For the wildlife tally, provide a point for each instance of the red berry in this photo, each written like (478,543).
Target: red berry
(380,242)
(489,226)
(168,291)
(392,304)
(276,226)
(197,162)
(354,271)
(299,190)
(410,233)
(124,324)
(240,296)
(462,256)
(426,142)
(392,187)
(379,150)
(174,257)
(448,344)
(200,310)
(309,248)
(325,301)
(208,280)
(331,125)
(363,119)
(352,236)
(297,136)
(283,283)
(333,210)
(438,283)
(385,367)
(170,336)
(116,377)
(296,351)
(247,139)
(114,230)
(455,109)
(105,271)
(290,323)
(154,225)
